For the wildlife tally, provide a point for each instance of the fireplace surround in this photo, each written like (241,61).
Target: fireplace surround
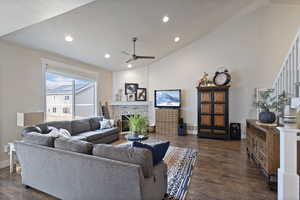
(122,110)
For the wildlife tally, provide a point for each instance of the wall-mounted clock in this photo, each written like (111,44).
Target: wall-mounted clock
(222,78)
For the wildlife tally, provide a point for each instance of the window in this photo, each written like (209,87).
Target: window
(66,110)
(69,97)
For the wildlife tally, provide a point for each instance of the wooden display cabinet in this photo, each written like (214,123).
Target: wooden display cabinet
(213,106)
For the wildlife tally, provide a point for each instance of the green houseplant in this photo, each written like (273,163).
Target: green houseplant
(270,103)
(138,124)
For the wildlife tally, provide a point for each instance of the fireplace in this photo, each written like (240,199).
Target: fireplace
(122,110)
(125,122)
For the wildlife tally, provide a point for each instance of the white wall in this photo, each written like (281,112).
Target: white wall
(251,45)
(136,75)
(21,86)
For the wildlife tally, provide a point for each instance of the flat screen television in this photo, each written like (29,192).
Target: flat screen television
(167,98)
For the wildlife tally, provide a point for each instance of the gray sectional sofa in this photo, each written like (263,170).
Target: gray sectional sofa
(85,129)
(75,170)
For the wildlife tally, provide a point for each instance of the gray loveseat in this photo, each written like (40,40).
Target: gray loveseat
(85,129)
(99,172)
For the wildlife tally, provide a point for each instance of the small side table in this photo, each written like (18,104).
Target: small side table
(12,151)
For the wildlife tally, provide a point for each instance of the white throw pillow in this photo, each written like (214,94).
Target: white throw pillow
(112,122)
(59,132)
(65,133)
(105,123)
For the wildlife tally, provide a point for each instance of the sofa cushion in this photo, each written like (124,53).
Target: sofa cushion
(61,124)
(95,123)
(78,146)
(79,137)
(139,156)
(80,126)
(97,134)
(158,150)
(30,129)
(39,139)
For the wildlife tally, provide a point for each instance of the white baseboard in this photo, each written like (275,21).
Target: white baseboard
(4,163)
(192,132)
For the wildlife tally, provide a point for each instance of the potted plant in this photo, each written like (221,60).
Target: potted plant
(138,125)
(267,104)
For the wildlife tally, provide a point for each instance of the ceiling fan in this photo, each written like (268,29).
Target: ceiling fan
(133,55)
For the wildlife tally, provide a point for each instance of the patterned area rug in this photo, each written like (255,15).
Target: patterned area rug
(180,163)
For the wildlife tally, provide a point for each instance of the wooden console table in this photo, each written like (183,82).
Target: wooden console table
(263,148)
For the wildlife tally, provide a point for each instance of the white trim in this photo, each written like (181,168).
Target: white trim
(4,164)
(90,75)
(192,132)
(73,99)
(130,103)
(44,86)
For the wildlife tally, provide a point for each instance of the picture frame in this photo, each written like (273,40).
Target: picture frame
(131,88)
(141,94)
(131,97)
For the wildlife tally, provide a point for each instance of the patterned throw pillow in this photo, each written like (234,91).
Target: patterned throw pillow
(54,132)
(105,123)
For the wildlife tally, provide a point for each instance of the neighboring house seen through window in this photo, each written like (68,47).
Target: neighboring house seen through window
(69,98)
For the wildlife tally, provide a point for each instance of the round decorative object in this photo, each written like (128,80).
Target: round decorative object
(267,117)
(222,78)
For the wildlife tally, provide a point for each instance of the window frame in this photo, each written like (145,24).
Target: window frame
(74,77)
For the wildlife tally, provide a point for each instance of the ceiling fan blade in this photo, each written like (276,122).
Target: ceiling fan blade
(126,53)
(145,57)
(131,59)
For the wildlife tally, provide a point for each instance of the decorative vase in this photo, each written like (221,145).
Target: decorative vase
(135,133)
(267,117)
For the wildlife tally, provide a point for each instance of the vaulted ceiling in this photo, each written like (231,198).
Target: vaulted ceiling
(17,14)
(107,26)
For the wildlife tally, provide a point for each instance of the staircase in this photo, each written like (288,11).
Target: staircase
(288,78)
(287,81)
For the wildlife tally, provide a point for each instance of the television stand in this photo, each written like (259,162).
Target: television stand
(167,121)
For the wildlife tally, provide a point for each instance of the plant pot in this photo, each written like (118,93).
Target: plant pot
(135,133)
(267,117)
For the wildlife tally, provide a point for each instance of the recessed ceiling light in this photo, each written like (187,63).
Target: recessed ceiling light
(129,65)
(69,38)
(176,39)
(107,56)
(165,19)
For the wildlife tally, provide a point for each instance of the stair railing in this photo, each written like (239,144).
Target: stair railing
(288,77)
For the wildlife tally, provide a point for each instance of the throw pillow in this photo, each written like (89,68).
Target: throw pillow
(31,129)
(104,124)
(78,146)
(158,150)
(112,122)
(58,132)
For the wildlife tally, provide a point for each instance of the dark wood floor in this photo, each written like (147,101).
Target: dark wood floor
(222,172)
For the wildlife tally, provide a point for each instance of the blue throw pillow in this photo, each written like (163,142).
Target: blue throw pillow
(158,150)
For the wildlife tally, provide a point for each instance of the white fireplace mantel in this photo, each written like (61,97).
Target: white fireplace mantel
(130,103)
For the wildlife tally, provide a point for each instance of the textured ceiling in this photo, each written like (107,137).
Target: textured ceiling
(107,26)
